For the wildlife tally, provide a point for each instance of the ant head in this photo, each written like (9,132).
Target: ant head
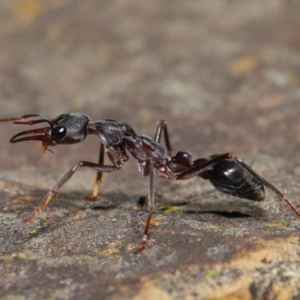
(68,129)
(65,129)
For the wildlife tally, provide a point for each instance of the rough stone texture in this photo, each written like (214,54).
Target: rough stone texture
(225,74)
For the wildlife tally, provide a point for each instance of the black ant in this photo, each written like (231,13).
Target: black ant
(227,173)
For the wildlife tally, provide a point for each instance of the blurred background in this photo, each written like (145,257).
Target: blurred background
(224,74)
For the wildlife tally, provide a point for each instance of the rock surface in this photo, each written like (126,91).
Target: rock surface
(224,74)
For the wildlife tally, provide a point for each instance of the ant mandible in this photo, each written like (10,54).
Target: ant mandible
(227,172)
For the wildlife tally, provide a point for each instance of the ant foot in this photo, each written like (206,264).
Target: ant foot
(90,198)
(37,211)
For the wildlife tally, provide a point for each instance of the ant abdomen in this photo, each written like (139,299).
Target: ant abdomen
(230,177)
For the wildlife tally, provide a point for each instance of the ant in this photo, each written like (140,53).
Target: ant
(227,172)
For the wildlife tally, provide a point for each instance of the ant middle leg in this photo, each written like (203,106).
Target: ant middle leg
(161,129)
(52,193)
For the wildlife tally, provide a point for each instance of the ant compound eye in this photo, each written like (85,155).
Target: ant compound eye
(58,133)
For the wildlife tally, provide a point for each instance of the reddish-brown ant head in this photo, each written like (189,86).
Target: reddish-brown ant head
(68,128)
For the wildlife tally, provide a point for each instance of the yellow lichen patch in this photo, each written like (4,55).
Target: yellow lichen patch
(155,221)
(277,225)
(243,65)
(27,10)
(130,247)
(109,252)
(210,274)
(33,232)
(169,209)
(25,254)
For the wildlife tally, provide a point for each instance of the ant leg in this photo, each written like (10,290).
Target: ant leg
(269,185)
(98,178)
(150,207)
(51,194)
(161,128)
(203,167)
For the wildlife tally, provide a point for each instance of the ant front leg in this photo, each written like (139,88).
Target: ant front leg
(98,177)
(51,194)
(161,128)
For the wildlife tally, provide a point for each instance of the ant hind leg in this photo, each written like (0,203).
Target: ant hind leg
(161,129)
